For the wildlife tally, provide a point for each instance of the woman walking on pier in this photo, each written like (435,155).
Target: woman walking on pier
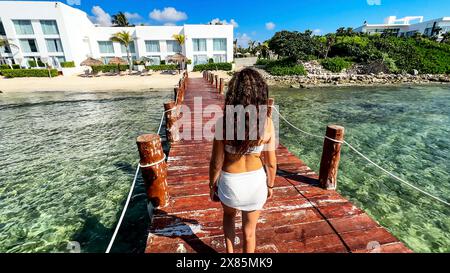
(243,162)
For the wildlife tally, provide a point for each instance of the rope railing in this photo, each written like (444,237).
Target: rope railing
(409,184)
(130,192)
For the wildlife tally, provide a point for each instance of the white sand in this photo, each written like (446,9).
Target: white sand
(156,81)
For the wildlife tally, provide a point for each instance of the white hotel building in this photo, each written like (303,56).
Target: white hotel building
(57,32)
(408,26)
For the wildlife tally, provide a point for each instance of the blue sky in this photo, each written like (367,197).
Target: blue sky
(259,20)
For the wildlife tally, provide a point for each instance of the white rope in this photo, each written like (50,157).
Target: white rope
(113,238)
(366,158)
(306,133)
(395,176)
(162,118)
(153,164)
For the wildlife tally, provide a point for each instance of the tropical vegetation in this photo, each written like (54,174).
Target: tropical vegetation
(213,66)
(20,73)
(379,53)
(125,38)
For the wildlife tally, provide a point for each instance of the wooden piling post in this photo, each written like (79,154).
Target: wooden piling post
(211,78)
(173,135)
(216,80)
(221,85)
(330,157)
(175,95)
(153,169)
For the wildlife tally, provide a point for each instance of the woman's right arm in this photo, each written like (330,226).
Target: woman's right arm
(270,158)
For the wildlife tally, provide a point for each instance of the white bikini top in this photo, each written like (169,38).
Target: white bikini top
(252,150)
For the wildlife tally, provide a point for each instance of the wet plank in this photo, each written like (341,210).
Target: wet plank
(301,218)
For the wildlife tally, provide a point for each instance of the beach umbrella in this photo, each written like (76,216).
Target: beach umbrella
(118,61)
(91,62)
(177,58)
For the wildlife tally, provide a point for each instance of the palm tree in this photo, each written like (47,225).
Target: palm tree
(120,20)
(125,39)
(5,43)
(252,46)
(235,47)
(180,38)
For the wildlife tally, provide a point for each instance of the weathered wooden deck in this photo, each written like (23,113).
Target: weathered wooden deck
(300,218)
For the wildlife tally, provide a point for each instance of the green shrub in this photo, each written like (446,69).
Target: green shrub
(336,64)
(163,62)
(21,73)
(4,66)
(67,64)
(263,61)
(213,66)
(32,63)
(108,68)
(162,67)
(211,60)
(287,70)
(16,66)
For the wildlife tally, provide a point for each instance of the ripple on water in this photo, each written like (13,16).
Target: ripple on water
(67,161)
(405,130)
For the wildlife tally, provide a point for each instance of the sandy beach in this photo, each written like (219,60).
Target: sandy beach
(75,83)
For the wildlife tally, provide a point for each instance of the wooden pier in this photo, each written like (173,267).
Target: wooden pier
(301,217)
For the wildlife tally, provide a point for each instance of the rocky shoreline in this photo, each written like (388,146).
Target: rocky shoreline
(354,80)
(319,77)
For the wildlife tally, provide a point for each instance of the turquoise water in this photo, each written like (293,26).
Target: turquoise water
(405,129)
(67,161)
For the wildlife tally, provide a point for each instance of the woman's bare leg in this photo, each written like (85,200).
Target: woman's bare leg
(229,217)
(249,221)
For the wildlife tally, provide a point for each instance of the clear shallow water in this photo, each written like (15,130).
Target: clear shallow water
(406,130)
(67,161)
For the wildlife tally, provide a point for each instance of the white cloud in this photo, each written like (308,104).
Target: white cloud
(170,24)
(270,26)
(243,39)
(101,17)
(217,21)
(133,16)
(317,31)
(169,14)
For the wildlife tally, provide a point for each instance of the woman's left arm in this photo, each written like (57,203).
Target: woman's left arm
(216,163)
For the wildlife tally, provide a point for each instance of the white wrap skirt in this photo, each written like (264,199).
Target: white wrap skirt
(243,191)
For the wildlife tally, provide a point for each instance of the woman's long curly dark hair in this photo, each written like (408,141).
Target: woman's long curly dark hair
(247,87)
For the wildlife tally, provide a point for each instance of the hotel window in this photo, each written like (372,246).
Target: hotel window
(220,58)
(173,46)
(28,45)
(220,44)
(200,59)
(2,29)
(106,47)
(23,27)
(131,46)
(199,44)
(152,46)
(154,60)
(60,59)
(49,27)
(5,49)
(106,59)
(54,45)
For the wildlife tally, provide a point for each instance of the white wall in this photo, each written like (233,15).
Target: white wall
(79,37)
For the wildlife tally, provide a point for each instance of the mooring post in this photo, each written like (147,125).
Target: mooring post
(216,80)
(221,85)
(172,132)
(175,95)
(331,155)
(211,79)
(154,169)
